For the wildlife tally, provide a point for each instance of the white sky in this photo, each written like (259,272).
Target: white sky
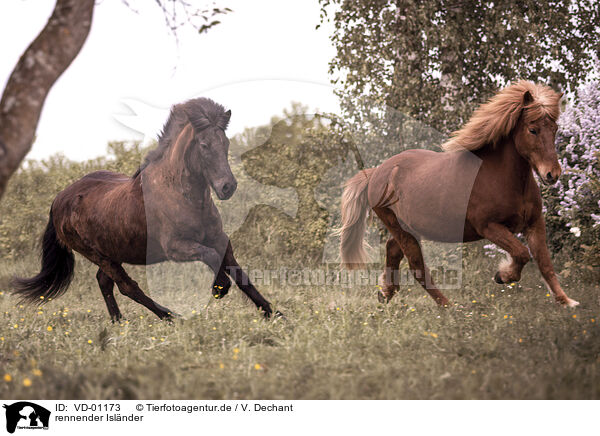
(261,57)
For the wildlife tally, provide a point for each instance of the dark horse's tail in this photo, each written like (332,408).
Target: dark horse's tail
(57,271)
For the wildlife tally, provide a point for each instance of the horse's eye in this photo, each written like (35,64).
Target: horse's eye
(203,144)
(533,131)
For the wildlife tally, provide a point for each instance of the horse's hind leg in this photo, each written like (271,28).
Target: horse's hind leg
(389,279)
(412,250)
(106,286)
(129,287)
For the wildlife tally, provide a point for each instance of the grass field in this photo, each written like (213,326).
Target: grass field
(502,342)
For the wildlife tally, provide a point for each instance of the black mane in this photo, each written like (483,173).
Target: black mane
(200,112)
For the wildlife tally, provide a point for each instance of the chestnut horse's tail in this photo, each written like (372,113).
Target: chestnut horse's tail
(56,274)
(354,220)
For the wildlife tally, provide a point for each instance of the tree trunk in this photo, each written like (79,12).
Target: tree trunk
(39,67)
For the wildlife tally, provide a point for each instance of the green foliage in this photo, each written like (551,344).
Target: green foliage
(435,61)
(296,152)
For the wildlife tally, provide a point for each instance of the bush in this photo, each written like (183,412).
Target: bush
(573,204)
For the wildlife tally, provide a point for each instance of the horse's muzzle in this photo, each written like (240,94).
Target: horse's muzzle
(226,190)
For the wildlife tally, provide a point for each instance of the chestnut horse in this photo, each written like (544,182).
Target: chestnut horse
(163,212)
(483,186)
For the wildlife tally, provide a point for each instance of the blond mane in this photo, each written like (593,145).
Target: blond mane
(495,119)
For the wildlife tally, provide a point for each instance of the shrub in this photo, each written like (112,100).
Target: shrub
(573,204)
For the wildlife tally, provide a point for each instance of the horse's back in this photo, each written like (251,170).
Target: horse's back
(429,191)
(95,188)
(103,213)
(98,181)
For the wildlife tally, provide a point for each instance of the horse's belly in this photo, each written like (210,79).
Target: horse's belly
(436,221)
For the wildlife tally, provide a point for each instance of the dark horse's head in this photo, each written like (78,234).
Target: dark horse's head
(199,126)
(207,153)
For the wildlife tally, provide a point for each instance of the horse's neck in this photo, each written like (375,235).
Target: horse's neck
(506,159)
(177,179)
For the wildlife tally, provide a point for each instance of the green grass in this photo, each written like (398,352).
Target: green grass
(503,343)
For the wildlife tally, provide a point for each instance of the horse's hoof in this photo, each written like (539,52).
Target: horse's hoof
(570,303)
(382,298)
(273,315)
(497,278)
(170,317)
(219,291)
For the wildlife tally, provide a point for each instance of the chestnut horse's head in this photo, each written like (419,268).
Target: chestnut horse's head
(534,136)
(525,111)
(206,153)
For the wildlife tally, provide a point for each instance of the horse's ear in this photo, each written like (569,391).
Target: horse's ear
(224,122)
(527,98)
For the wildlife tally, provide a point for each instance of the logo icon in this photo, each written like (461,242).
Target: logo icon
(26,415)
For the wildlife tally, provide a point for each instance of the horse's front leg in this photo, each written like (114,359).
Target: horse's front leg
(536,238)
(510,269)
(231,267)
(183,250)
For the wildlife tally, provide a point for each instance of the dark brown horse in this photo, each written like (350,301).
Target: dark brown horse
(482,187)
(163,212)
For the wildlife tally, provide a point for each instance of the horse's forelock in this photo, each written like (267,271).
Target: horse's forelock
(201,113)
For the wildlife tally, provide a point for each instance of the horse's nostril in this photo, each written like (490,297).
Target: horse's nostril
(549,176)
(227,187)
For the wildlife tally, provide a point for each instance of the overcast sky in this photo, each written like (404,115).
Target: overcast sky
(260,58)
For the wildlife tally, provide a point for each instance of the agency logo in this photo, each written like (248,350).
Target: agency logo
(26,415)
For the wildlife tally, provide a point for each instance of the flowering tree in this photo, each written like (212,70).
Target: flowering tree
(573,204)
